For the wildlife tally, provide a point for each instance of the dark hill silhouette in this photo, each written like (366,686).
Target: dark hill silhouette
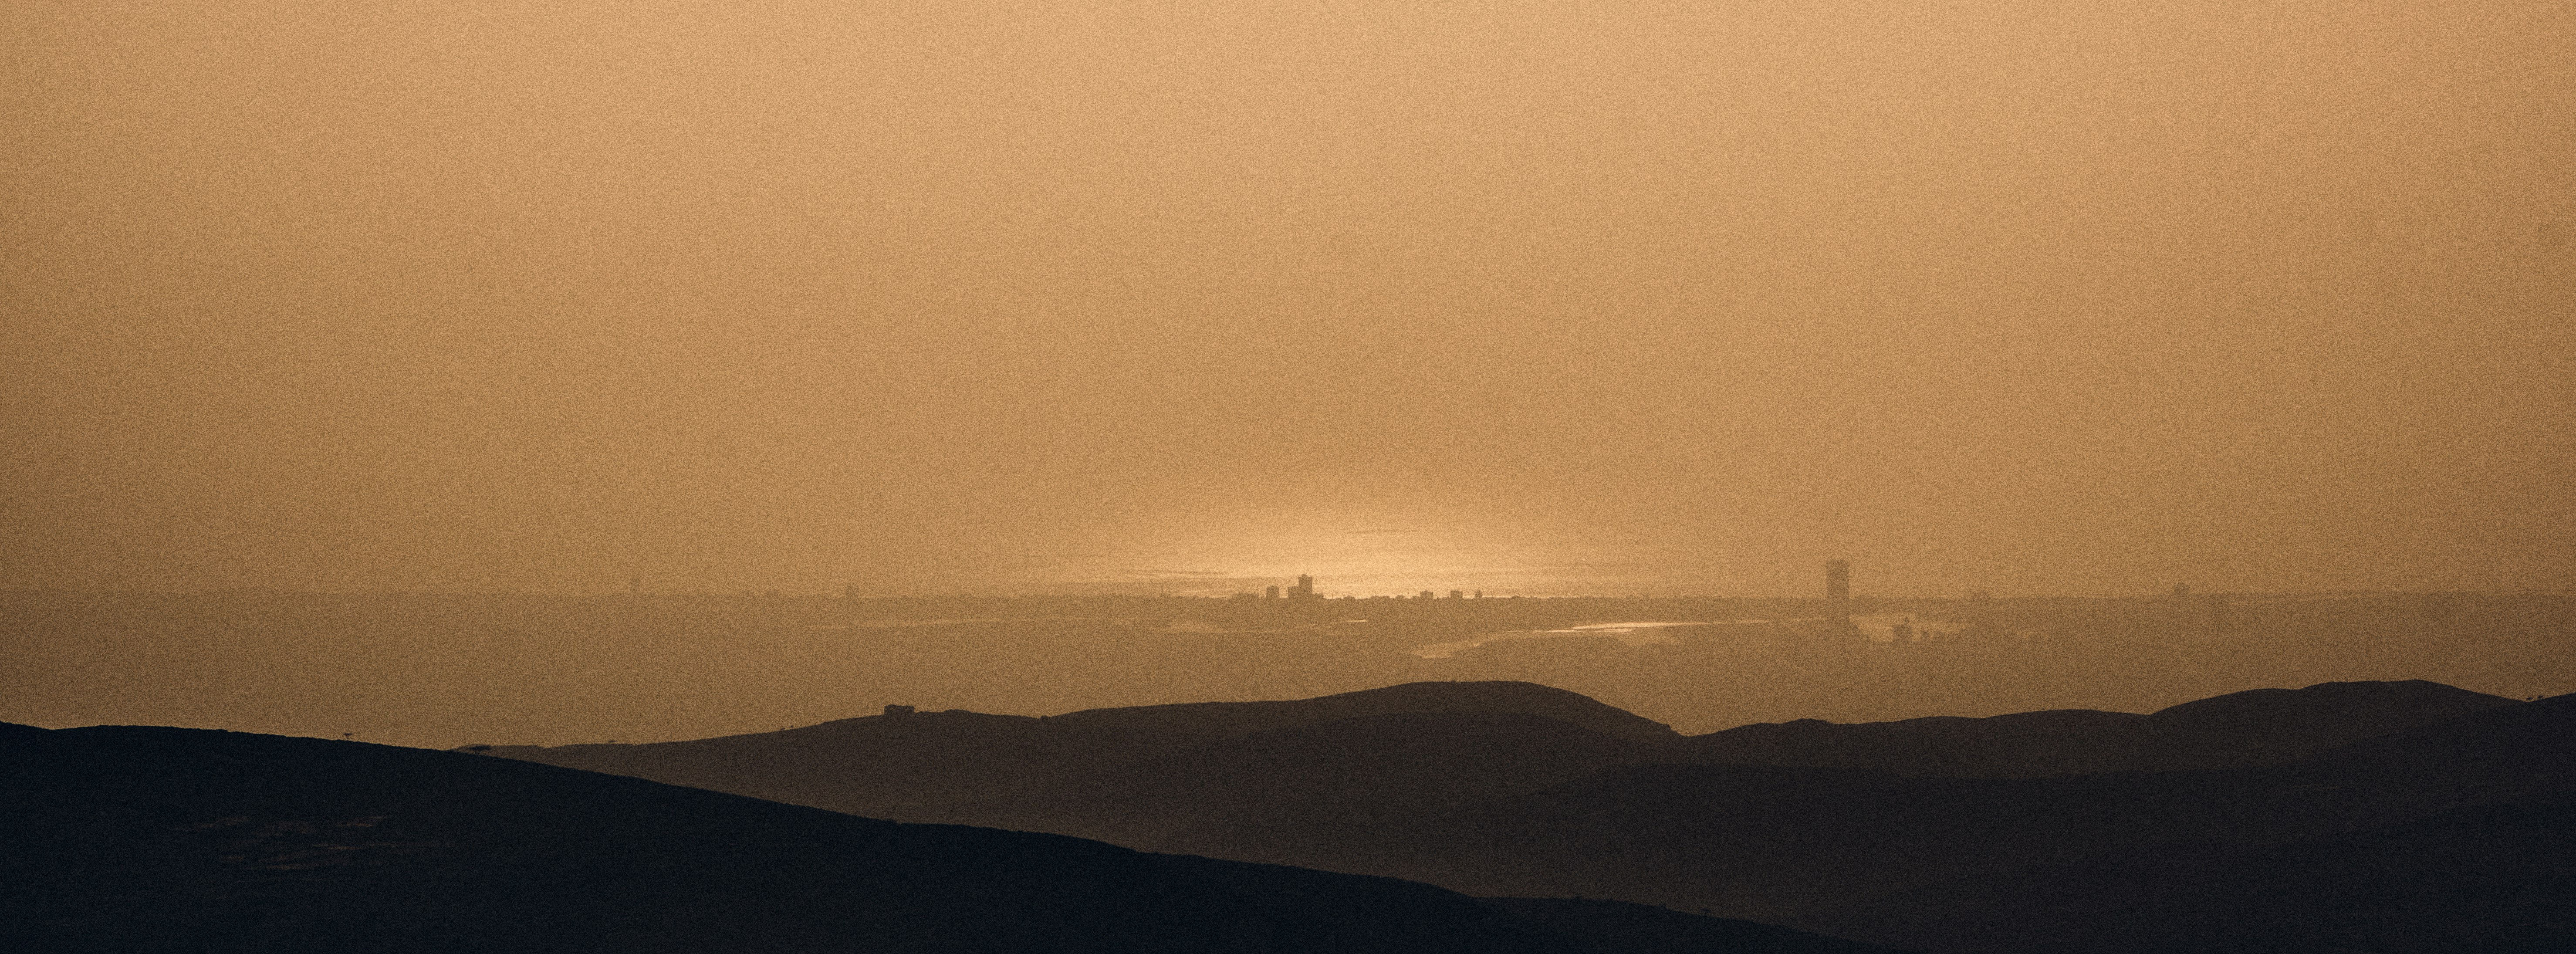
(2021,745)
(1098,772)
(1221,719)
(2491,879)
(1283,793)
(880,766)
(152,839)
(1522,804)
(927,766)
(2267,726)
(1784,844)
(2514,752)
(2258,727)
(1618,927)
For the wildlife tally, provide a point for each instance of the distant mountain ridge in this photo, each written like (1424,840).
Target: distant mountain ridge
(922,766)
(2255,727)
(1414,698)
(971,767)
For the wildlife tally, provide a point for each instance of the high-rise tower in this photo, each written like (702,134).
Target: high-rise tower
(1838,580)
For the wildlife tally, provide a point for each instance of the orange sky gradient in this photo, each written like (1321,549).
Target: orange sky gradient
(2032,296)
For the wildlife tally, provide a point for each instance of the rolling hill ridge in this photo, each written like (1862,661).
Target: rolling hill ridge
(1818,825)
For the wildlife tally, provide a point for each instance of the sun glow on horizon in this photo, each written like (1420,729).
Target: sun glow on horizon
(1364,553)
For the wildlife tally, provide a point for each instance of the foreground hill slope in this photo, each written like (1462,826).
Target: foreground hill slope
(154,839)
(1618,927)
(2488,879)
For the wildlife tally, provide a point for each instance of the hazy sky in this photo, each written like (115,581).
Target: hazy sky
(2065,296)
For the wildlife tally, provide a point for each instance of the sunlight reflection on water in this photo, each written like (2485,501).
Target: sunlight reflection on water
(1628,634)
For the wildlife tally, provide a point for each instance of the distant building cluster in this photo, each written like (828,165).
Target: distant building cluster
(1304,590)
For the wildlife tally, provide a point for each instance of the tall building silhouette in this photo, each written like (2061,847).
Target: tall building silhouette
(1305,587)
(1838,580)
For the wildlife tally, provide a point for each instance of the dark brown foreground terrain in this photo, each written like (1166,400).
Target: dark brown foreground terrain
(137,839)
